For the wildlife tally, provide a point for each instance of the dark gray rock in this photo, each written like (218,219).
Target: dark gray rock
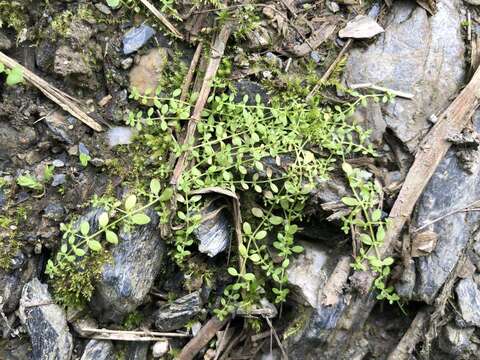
(5,42)
(45,323)
(137,351)
(125,282)
(175,315)
(54,212)
(136,37)
(251,89)
(59,179)
(98,350)
(468,298)
(16,349)
(420,54)
(453,340)
(215,231)
(11,284)
(450,188)
(70,62)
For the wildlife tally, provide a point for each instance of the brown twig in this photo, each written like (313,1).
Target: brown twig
(65,101)
(279,343)
(162,18)
(218,49)
(331,68)
(191,70)
(206,333)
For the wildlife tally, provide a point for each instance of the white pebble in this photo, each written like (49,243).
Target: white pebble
(120,136)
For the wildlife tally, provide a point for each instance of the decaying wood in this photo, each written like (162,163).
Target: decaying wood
(118,335)
(65,101)
(206,333)
(335,283)
(430,153)
(218,49)
(411,338)
(315,40)
(162,18)
(191,70)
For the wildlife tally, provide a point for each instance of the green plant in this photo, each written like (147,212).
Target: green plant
(31,182)
(113,3)
(14,75)
(366,216)
(82,253)
(84,159)
(13,14)
(279,152)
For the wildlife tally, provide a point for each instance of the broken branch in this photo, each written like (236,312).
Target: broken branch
(162,18)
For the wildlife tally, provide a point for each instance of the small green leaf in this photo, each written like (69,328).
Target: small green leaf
(347,168)
(84,228)
(350,201)
(247,229)
(249,276)
(275,220)
(111,237)
(380,234)
(257,212)
(176,92)
(388,261)
(232,271)
(103,219)
(79,252)
(261,235)
(15,76)
(166,194)
(140,219)
(255,258)
(366,239)
(94,245)
(130,202)
(376,215)
(113,3)
(242,250)
(155,186)
(297,249)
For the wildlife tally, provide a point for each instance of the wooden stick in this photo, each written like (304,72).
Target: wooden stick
(119,335)
(162,18)
(189,77)
(410,339)
(218,49)
(206,333)
(397,93)
(65,101)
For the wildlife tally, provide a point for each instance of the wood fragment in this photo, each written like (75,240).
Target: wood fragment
(331,68)
(397,93)
(191,70)
(162,18)
(330,293)
(218,49)
(206,333)
(411,338)
(119,335)
(65,101)
(318,37)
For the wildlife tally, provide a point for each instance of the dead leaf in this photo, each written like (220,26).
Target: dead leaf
(423,243)
(361,27)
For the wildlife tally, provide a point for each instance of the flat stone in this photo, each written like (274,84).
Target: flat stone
(45,323)
(126,281)
(98,350)
(419,54)
(468,297)
(70,62)
(454,340)
(175,315)
(136,37)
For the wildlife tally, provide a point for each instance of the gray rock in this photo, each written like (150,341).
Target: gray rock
(70,62)
(160,348)
(412,56)
(104,9)
(316,57)
(5,42)
(251,89)
(58,163)
(468,298)
(120,135)
(16,349)
(306,273)
(59,179)
(125,283)
(136,37)
(137,351)
(175,315)
(54,212)
(453,340)
(450,188)
(83,149)
(61,127)
(215,232)
(45,322)
(11,284)
(361,27)
(99,350)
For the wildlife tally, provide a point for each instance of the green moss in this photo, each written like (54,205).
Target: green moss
(13,14)
(302,315)
(61,23)
(9,246)
(73,285)
(133,320)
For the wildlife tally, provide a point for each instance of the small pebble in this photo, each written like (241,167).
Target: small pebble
(104,9)
(120,135)
(333,6)
(127,63)
(315,56)
(136,37)
(58,179)
(58,163)
(83,149)
(160,348)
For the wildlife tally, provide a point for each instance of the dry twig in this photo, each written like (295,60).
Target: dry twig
(118,335)
(162,18)
(65,101)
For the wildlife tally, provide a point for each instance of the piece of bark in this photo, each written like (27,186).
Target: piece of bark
(119,335)
(333,287)
(411,338)
(315,40)
(191,70)
(206,333)
(218,49)
(65,101)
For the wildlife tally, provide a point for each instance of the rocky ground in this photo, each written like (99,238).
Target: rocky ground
(136,241)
